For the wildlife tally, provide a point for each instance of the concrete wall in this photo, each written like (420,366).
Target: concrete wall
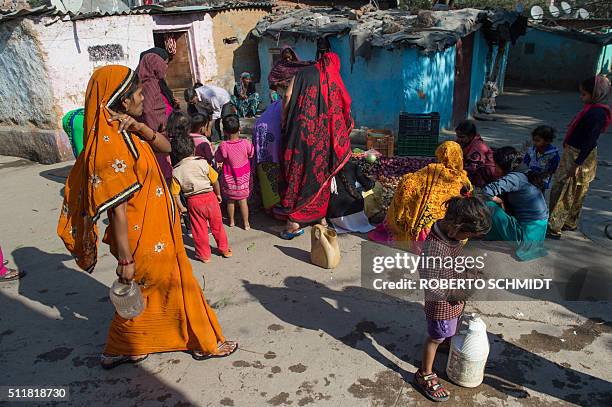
(390,82)
(234,58)
(548,60)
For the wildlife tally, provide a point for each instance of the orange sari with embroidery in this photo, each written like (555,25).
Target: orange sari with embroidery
(120,167)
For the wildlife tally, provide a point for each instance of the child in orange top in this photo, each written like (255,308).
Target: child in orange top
(197,181)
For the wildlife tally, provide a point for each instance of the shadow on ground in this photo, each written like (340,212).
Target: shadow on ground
(61,344)
(367,320)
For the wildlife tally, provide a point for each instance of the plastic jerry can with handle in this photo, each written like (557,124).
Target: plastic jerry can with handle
(127,299)
(324,249)
(469,351)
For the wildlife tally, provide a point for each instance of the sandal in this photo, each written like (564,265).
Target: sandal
(286,235)
(12,275)
(233,346)
(569,229)
(430,386)
(227,254)
(114,361)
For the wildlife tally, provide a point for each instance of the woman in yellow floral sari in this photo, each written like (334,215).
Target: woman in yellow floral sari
(420,198)
(117,173)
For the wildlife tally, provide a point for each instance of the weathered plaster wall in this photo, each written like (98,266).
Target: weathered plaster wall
(235,58)
(26,96)
(548,60)
(73,50)
(385,85)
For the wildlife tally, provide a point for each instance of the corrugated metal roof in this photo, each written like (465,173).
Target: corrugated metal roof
(155,9)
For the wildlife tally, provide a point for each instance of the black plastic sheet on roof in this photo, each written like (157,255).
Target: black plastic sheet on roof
(389,28)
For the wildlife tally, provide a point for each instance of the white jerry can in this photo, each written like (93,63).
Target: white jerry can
(468,352)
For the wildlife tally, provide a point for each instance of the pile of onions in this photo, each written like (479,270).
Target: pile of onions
(389,170)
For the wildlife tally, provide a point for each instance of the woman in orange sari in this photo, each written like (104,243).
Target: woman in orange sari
(117,172)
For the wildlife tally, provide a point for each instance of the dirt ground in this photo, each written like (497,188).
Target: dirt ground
(307,336)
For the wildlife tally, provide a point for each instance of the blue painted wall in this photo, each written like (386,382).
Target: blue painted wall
(557,62)
(392,81)
(604,63)
(479,69)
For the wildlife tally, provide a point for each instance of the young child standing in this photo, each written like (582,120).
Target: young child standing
(466,217)
(235,154)
(542,158)
(197,180)
(201,131)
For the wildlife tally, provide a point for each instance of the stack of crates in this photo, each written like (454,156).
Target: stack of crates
(418,134)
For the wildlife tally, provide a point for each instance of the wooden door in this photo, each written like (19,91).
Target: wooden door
(463,76)
(179,74)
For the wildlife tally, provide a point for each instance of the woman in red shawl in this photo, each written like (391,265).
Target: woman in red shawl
(317,121)
(284,70)
(151,70)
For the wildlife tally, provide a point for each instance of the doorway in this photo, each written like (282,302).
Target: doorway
(179,75)
(463,76)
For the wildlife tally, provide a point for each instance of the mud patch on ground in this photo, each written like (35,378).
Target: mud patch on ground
(270,355)
(165,397)
(358,334)
(275,327)
(241,363)
(90,361)
(299,368)
(104,299)
(280,399)
(305,401)
(257,365)
(382,390)
(54,355)
(227,402)
(575,338)
(276,369)
(6,333)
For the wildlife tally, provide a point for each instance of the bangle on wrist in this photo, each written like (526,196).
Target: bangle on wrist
(125,262)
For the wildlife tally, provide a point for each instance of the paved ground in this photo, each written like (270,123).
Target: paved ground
(308,336)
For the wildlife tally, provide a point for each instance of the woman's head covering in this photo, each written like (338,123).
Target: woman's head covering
(103,175)
(165,89)
(601,90)
(245,75)
(158,51)
(283,71)
(420,197)
(450,155)
(151,70)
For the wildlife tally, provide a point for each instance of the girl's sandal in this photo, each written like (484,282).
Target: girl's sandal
(223,349)
(12,275)
(227,254)
(109,362)
(430,386)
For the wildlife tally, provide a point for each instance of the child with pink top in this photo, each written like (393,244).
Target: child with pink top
(235,154)
(201,131)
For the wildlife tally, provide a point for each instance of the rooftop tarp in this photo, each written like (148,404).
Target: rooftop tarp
(431,31)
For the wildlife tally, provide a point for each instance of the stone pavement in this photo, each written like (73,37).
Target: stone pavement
(308,336)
